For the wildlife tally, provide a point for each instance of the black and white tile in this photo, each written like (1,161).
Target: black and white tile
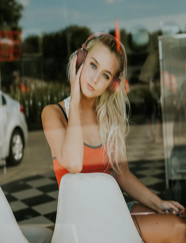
(33,200)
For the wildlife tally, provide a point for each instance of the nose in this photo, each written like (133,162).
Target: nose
(95,77)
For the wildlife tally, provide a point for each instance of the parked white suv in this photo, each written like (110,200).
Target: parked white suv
(13,130)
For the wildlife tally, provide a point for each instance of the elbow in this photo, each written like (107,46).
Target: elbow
(74,169)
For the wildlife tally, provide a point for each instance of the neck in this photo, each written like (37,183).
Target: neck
(87,105)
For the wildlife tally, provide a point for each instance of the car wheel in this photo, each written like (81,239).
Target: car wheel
(16,148)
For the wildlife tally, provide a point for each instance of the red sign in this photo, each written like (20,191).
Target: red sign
(10,46)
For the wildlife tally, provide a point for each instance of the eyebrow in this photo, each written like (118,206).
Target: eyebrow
(98,63)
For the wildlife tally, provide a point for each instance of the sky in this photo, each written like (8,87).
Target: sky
(99,15)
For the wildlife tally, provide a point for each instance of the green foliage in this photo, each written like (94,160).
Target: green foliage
(31,45)
(57,48)
(10,13)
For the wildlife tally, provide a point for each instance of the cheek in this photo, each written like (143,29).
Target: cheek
(82,78)
(84,74)
(102,87)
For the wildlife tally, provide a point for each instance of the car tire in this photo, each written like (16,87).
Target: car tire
(16,150)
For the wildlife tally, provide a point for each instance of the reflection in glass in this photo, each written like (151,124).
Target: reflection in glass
(173,84)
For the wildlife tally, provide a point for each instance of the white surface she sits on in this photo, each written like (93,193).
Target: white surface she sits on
(9,229)
(92,209)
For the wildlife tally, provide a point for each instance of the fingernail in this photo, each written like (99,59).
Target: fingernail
(177,214)
(170,210)
(82,62)
(164,210)
(179,209)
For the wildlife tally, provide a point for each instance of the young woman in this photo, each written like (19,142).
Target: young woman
(86,133)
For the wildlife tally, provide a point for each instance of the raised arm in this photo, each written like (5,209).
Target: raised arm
(66,144)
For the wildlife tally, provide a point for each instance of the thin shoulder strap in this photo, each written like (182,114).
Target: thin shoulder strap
(63,111)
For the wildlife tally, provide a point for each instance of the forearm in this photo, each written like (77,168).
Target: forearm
(72,151)
(137,190)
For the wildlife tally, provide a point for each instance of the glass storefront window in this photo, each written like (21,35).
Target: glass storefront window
(173,94)
(36,40)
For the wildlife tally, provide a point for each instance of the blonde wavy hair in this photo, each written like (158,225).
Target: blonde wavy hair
(111,109)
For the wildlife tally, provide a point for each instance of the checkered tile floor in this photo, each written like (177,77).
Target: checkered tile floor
(34,199)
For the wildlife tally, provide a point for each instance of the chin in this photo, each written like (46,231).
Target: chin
(88,94)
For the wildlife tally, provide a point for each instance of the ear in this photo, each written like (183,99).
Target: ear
(81,56)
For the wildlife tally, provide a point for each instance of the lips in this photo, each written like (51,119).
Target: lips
(90,86)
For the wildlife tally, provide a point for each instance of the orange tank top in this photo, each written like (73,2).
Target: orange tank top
(94,160)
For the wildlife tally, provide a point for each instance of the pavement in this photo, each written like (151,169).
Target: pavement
(31,188)
(37,160)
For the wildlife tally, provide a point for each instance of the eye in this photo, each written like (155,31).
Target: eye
(93,66)
(106,76)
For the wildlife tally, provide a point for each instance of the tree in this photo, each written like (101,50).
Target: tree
(57,47)
(10,13)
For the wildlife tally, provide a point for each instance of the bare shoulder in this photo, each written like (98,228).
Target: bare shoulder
(53,112)
(54,127)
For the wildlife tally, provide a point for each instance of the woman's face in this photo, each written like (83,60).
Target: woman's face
(98,71)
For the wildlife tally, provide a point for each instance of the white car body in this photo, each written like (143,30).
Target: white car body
(11,118)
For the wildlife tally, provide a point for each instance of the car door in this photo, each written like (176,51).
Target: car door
(2,125)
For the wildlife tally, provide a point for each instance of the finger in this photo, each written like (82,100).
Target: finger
(79,71)
(71,68)
(166,210)
(74,66)
(173,209)
(180,207)
(72,60)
